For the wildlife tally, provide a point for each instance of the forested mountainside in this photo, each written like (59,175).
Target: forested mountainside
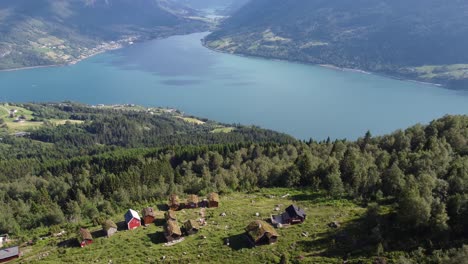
(420,39)
(46,32)
(83,164)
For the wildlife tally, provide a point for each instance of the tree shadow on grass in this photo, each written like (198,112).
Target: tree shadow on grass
(238,242)
(352,239)
(98,234)
(121,226)
(307,196)
(162,207)
(159,222)
(72,242)
(157,238)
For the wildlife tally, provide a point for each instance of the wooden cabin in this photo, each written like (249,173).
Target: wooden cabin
(294,215)
(172,231)
(192,201)
(191,227)
(174,202)
(149,215)
(261,233)
(86,237)
(109,228)
(213,200)
(170,216)
(132,219)
(8,254)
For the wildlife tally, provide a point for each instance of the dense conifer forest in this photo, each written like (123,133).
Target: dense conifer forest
(413,183)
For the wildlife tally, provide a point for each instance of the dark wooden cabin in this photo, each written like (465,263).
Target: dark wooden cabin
(174,202)
(191,227)
(149,215)
(192,201)
(213,200)
(294,215)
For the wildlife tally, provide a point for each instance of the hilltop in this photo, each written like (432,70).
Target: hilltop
(49,32)
(423,40)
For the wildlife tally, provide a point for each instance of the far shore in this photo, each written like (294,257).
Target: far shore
(203,42)
(327,66)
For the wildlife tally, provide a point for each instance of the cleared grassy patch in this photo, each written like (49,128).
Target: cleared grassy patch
(310,241)
(191,120)
(223,130)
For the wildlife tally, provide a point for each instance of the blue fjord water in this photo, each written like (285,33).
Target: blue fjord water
(302,100)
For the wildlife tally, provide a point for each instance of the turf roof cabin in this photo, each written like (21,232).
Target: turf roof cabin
(213,200)
(149,215)
(170,216)
(7,254)
(86,237)
(174,202)
(192,201)
(109,228)
(261,233)
(172,231)
(191,227)
(132,219)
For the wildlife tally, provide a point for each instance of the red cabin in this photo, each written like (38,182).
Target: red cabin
(86,237)
(132,219)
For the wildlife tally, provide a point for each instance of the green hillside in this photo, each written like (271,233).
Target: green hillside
(47,32)
(398,198)
(423,40)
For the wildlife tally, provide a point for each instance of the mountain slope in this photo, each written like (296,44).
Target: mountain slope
(45,32)
(418,39)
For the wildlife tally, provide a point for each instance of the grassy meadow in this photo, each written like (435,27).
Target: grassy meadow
(311,242)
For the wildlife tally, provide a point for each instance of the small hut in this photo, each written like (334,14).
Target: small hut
(294,215)
(174,202)
(170,216)
(109,228)
(132,219)
(213,200)
(192,201)
(7,254)
(261,233)
(149,215)
(86,237)
(191,227)
(172,231)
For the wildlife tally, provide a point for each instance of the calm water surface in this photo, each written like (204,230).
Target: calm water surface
(302,100)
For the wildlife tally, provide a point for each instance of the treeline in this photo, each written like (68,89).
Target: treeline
(413,182)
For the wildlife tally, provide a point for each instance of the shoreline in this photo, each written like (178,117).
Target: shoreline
(204,44)
(329,66)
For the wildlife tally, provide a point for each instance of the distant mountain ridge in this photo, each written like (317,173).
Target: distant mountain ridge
(44,32)
(421,39)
